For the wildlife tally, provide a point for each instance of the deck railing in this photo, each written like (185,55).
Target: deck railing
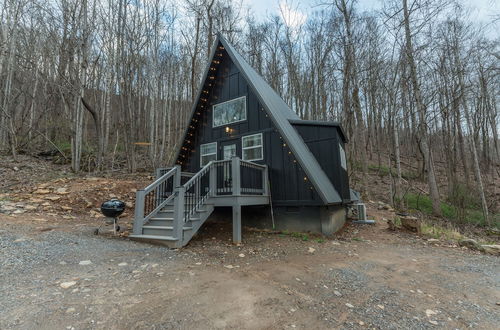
(230,177)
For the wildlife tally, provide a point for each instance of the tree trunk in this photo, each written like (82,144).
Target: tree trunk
(424,136)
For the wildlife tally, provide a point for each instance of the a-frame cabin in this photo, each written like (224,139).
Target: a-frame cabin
(244,148)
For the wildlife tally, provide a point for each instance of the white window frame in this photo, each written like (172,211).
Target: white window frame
(212,153)
(252,147)
(232,100)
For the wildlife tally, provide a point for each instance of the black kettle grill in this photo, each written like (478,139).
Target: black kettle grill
(112,209)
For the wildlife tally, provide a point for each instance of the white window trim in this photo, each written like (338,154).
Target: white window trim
(238,121)
(212,153)
(252,147)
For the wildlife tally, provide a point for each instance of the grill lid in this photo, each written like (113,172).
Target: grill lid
(112,208)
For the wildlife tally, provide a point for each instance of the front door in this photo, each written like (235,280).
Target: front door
(227,150)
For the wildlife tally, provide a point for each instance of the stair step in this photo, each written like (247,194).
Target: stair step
(165,227)
(162,218)
(154,237)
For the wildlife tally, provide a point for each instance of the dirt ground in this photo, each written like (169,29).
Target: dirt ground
(366,277)
(56,274)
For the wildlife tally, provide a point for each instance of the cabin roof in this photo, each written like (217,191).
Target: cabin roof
(321,123)
(282,116)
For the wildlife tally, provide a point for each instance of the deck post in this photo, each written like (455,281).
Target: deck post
(236,177)
(139,212)
(178,222)
(213,180)
(265,183)
(177,177)
(236,223)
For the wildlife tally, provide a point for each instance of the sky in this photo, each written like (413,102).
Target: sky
(296,11)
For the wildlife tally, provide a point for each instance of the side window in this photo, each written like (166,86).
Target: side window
(208,152)
(343,161)
(252,147)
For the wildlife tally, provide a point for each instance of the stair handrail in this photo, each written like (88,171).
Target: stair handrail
(159,202)
(196,199)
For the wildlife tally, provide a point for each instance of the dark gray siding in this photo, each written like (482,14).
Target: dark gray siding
(323,141)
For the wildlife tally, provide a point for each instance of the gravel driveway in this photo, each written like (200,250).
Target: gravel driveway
(57,275)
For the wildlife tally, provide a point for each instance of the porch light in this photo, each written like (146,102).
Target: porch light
(228,129)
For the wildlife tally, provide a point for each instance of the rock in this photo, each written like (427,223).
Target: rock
(241,255)
(470,243)
(432,240)
(381,306)
(338,294)
(19,211)
(122,264)
(129,205)
(15,168)
(53,198)
(229,266)
(311,250)
(30,207)
(66,285)
(70,310)
(349,305)
(493,249)
(20,240)
(67,208)
(361,323)
(42,191)
(85,262)
(390,224)
(411,223)
(433,322)
(430,312)
(62,191)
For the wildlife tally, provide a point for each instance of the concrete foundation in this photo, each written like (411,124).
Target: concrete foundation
(324,220)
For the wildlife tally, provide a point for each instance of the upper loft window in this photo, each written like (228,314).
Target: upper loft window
(230,112)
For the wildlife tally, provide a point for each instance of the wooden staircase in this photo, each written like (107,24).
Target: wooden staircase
(171,213)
